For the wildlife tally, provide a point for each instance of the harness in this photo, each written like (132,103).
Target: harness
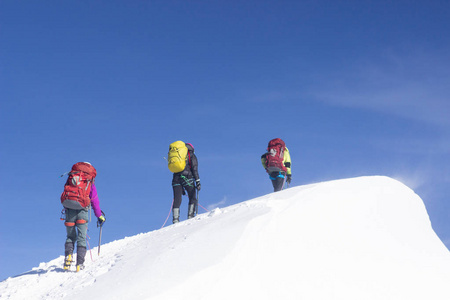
(280,175)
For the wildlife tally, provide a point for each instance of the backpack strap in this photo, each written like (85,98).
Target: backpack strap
(189,157)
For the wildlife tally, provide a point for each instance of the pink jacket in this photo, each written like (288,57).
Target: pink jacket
(95,202)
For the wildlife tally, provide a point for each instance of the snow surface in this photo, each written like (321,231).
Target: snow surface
(361,238)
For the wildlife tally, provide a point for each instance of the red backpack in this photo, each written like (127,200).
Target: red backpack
(275,156)
(78,186)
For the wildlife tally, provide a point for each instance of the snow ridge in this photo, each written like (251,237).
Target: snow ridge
(359,238)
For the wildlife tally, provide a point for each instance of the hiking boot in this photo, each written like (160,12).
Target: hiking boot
(81,253)
(80,267)
(67,262)
(176,215)
(191,211)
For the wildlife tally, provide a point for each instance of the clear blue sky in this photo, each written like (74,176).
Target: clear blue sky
(353,87)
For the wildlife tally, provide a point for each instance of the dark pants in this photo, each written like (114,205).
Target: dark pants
(180,185)
(278,180)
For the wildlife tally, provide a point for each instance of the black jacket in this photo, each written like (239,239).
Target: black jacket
(191,169)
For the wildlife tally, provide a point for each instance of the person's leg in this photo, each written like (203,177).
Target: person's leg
(81,254)
(71,237)
(177,193)
(192,201)
(82,226)
(277,180)
(278,184)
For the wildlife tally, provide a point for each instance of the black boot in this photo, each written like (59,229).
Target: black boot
(176,215)
(191,211)
(81,254)
(68,253)
(68,248)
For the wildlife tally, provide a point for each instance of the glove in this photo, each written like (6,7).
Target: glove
(198,185)
(101,220)
(289,178)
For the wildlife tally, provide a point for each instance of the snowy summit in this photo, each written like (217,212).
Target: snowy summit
(361,238)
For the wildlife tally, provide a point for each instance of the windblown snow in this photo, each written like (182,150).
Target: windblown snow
(360,238)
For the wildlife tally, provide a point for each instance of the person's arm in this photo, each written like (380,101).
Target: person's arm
(194,167)
(263,161)
(287,160)
(95,203)
(194,170)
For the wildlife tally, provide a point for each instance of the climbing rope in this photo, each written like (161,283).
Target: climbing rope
(170,211)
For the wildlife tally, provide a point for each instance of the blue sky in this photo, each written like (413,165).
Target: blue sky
(353,87)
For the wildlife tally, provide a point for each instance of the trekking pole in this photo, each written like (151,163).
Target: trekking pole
(100,234)
(196,204)
(285,183)
(100,239)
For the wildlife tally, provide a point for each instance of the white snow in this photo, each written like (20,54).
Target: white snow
(360,238)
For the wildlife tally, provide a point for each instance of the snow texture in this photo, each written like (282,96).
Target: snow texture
(360,238)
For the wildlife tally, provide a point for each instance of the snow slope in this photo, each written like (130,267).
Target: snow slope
(361,238)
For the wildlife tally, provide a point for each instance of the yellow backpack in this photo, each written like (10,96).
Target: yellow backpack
(177,156)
